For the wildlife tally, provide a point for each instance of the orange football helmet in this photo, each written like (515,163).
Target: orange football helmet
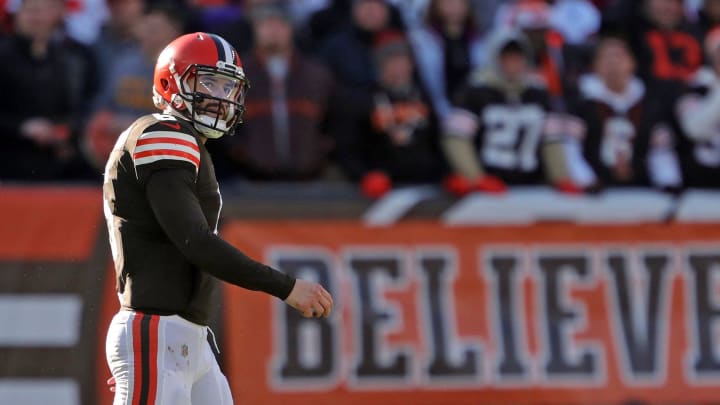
(199,76)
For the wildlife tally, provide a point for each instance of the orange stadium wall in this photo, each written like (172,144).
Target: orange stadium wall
(426,313)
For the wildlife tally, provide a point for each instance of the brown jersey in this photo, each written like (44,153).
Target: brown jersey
(162,204)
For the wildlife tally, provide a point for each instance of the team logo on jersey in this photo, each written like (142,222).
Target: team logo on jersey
(175,126)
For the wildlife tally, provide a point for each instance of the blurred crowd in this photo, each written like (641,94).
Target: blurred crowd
(469,95)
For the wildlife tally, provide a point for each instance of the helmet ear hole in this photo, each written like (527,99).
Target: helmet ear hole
(177,102)
(165,84)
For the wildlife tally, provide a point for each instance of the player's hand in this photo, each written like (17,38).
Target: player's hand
(311,299)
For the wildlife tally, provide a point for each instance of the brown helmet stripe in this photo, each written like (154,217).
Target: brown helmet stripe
(224,49)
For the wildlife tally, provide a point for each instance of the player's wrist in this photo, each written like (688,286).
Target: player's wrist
(288,288)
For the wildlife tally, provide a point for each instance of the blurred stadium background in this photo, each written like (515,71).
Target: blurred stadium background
(596,283)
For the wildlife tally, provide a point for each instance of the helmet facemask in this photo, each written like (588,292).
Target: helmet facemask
(213,98)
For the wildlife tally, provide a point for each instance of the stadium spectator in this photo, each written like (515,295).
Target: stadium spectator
(708,17)
(348,53)
(323,24)
(336,17)
(412,12)
(301,10)
(498,136)
(5,18)
(576,20)
(699,120)
(485,11)
(664,43)
(447,48)
(286,134)
(48,81)
(84,19)
(395,138)
(125,91)
(628,139)
(117,34)
(231,22)
(559,63)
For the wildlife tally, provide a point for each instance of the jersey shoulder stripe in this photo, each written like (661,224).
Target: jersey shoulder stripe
(155,146)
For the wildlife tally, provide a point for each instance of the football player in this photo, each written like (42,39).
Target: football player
(162,204)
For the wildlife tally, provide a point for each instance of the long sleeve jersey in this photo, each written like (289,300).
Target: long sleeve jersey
(162,204)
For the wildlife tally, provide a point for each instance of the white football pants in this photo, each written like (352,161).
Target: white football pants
(163,360)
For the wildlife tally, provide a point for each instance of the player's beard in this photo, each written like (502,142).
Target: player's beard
(213,109)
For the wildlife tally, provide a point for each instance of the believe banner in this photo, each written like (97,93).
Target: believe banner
(429,314)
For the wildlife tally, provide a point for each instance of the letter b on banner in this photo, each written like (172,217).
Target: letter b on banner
(306,345)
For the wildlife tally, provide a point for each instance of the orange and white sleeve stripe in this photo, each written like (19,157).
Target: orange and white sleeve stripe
(159,145)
